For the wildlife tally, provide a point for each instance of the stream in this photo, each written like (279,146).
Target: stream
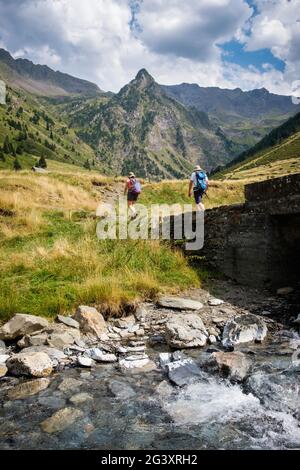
(126,410)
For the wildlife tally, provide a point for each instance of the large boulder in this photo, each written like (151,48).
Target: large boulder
(63,338)
(22,324)
(179,303)
(234,365)
(244,329)
(34,364)
(56,355)
(90,321)
(185,331)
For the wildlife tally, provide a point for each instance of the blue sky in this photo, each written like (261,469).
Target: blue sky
(227,43)
(234,52)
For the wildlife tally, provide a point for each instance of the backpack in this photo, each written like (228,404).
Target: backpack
(136,187)
(201,183)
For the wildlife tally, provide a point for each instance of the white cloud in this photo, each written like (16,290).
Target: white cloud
(277,26)
(176,41)
(192,30)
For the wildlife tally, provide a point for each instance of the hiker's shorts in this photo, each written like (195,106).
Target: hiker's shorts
(132,196)
(198,196)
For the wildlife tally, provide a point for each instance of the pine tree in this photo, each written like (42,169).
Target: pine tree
(2,157)
(87,165)
(20,149)
(17,165)
(7,145)
(42,162)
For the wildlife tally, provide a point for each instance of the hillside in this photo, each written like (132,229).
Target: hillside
(51,260)
(28,131)
(40,79)
(244,116)
(276,154)
(144,130)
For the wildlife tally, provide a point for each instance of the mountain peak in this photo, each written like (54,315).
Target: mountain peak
(144,78)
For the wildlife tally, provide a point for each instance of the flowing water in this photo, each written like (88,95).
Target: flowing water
(147,412)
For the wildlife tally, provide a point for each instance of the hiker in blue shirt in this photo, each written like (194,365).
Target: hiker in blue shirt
(133,190)
(198,184)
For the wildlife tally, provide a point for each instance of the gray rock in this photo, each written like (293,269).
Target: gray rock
(215,302)
(178,303)
(52,402)
(84,361)
(68,321)
(234,365)
(20,325)
(185,331)
(136,357)
(80,398)
(2,345)
(100,356)
(61,340)
(125,322)
(139,365)
(244,329)
(121,390)
(56,355)
(90,321)
(34,340)
(35,364)
(183,371)
(61,420)
(135,349)
(69,384)
(26,389)
(141,313)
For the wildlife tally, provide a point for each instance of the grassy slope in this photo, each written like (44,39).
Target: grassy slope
(272,161)
(68,147)
(51,260)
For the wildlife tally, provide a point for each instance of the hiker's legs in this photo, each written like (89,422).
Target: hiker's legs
(132,198)
(198,201)
(131,208)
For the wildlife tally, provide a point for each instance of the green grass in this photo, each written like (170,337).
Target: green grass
(51,260)
(176,192)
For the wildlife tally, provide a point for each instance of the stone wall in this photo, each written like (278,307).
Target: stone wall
(257,243)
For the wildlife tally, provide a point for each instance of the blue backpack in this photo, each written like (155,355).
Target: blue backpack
(201,183)
(136,187)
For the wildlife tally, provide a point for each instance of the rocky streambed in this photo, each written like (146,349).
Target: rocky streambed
(197,372)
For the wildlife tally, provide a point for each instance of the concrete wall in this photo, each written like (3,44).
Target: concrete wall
(257,243)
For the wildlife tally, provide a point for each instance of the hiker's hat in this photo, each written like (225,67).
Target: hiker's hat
(197,168)
(131,175)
